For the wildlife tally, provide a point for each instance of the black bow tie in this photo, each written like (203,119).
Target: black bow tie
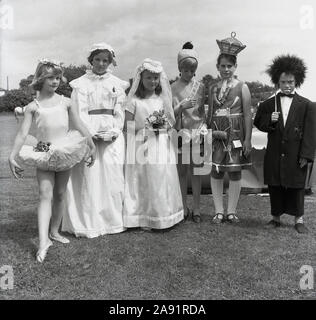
(290,95)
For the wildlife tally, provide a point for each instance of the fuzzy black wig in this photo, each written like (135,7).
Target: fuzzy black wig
(288,64)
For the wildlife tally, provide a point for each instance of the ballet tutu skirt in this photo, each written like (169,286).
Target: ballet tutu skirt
(60,155)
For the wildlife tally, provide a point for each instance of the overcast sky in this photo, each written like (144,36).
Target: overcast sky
(65,29)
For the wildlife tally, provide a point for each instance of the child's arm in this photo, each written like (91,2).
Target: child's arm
(201,102)
(177,109)
(210,106)
(308,145)
(20,139)
(80,101)
(216,134)
(79,125)
(179,106)
(246,102)
(130,110)
(119,114)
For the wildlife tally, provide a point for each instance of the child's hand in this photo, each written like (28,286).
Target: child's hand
(89,160)
(96,137)
(302,162)
(246,147)
(275,116)
(15,169)
(188,104)
(167,125)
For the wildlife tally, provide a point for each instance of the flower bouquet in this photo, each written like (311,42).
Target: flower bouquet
(157,121)
(42,146)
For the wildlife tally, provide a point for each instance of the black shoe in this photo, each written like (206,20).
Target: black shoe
(196,218)
(274,224)
(308,192)
(300,228)
(218,218)
(232,218)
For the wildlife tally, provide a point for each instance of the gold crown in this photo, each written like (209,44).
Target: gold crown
(230,45)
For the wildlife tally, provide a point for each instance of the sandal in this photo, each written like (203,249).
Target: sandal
(41,254)
(218,218)
(232,218)
(196,218)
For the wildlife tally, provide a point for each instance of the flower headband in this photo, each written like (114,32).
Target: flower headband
(49,63)
(45,61)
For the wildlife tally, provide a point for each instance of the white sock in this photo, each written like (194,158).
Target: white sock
(217,193)
(233,195)
(298,220)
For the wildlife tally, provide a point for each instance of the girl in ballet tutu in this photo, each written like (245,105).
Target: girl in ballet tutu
(188,100)
(95,195)
(57,150)
(152,191)
(229,116)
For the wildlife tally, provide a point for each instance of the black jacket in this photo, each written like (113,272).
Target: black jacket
(286,145)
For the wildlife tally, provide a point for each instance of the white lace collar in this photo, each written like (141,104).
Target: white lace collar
(94,76)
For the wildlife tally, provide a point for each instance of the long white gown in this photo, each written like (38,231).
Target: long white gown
(95,195)
(152,191)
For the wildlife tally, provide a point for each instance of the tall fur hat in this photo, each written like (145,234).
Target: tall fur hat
(289,64)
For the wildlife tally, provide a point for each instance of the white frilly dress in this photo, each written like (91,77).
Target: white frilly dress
(152,190)
(66,148)
(95,195)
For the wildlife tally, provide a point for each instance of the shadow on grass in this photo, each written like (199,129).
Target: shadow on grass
(21,232)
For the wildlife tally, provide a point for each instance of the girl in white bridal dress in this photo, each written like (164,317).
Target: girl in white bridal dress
(152,190)
(95,195)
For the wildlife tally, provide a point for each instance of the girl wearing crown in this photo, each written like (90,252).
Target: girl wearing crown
(152,190)
(289,119)
(229,116)
(188,100)
(95,197)
(56,152)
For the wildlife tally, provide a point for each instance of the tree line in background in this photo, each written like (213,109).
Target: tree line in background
(25,94)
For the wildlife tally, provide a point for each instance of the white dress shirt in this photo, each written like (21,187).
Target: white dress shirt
(285,106)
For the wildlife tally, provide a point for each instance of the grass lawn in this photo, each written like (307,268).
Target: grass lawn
(189,261)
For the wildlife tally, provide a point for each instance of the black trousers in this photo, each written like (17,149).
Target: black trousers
(286,200)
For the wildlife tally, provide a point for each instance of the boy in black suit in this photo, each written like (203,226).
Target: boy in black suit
(289,120)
